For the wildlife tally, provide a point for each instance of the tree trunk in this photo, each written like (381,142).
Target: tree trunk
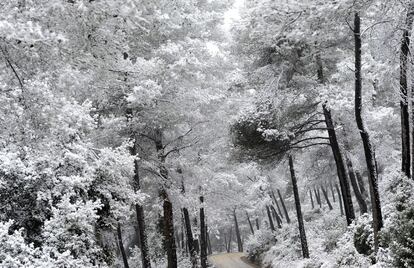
(121,245)
(340,166)
(277,204)
(168,217)
(303,241)
(361,185)
(283,206)
(143,239)
(238,236)
(360,199)
(190,239)
(332,191)
(229,242)
(209,248)
(311,198)
(405,123)
(276,216)
(318,198)
(250,223)
(272,226)
(325,194)
(339,199)
(203,236)
(257,224)
(369,157)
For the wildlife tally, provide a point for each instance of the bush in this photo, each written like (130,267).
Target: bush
(258,244)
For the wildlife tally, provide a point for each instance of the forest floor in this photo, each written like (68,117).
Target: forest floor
(230,260)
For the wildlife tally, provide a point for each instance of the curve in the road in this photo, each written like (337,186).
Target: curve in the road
(230,260)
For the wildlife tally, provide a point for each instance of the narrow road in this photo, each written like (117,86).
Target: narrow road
(230,260)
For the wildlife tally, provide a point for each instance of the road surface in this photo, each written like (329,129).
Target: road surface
(230,260)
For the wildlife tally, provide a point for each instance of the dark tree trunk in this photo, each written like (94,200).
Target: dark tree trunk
(229,242)
(168,217)
(360,199)
(361,184)
(340,166)
(272,226)
(332,191)
(203,236)
(283,206)
(238,236)
(303,241)
(277,204)
(145,258)
(318,198)
(183,244)
(190,239)
(311,198)
(325,194)
(405,123)
(339,199)
(250,223)
(369,156)
(209,248)
(278,220)
(257,224)
(121,245)
(319,64)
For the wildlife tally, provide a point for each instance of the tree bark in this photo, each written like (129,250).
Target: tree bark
(257,224)
(121,245)
(311,198)
(203,236)
(360,199)
(250,223)
(277,204)
(272,226)
(361,185)
(318,198)
(339,199)
(303,241)
(143,239)
(340,166)
(405,123)
(369,156)
(278,220)
(238,236)
(229,242)
(190,239)
(332,191)
(325,194)
(283,206)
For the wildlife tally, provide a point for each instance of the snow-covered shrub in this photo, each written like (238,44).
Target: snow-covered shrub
(398,231)
(363,235)
(259,243)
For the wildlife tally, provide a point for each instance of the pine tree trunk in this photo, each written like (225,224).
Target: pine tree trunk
(311,198)
(272,226)
(303,241)
(332,191)
(369,156)
(250,223)
(190,239)
(121,245)
(209,248)
(340,166)
(325,194)
(238,236)
(257,224)
(276,216)
(229,241)
(277,204)
(318,199)
(339,199)
(360,199)
(405,123)
(283,206)
(203,237)
(168,217)
(145,258)
(361,185)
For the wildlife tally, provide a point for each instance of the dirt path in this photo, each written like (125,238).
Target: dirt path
(230,260)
